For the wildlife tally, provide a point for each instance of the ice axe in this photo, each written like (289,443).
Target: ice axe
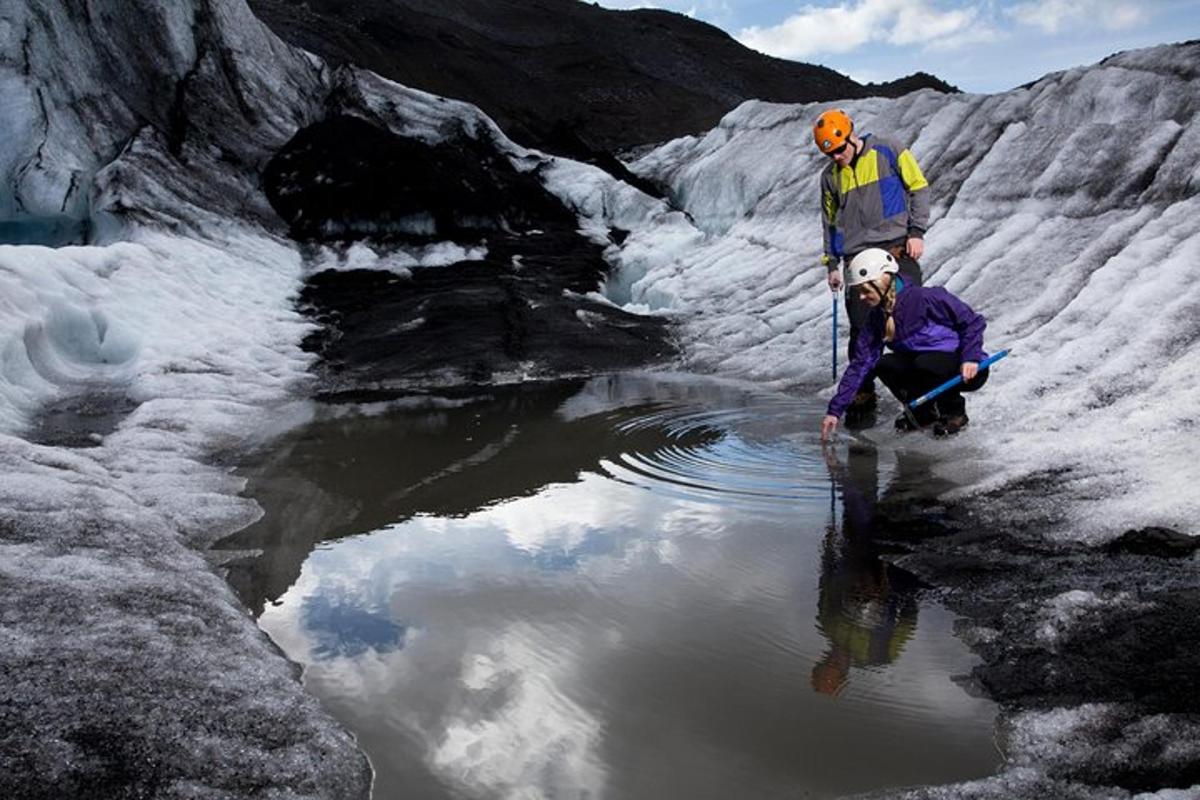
(957,379)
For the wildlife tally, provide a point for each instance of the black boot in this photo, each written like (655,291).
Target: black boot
(917,420)
(948,426)
(861,412)
(864,400)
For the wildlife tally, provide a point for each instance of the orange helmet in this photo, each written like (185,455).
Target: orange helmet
(832,130)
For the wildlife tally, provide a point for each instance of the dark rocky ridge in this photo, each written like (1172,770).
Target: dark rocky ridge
(562,75)
(520,311)
(909,83)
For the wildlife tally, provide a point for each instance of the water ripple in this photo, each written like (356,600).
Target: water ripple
(764,453)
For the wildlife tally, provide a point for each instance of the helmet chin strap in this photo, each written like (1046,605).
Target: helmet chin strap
(883,290)
(875,284)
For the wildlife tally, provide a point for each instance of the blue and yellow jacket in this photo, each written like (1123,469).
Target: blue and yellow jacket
(879,199)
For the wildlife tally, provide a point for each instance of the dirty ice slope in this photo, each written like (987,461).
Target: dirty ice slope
(1068,212)
(145,134)
(130,666)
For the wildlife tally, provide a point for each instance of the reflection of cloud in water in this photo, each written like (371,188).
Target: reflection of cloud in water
(560,519)
(498,623)
(568,524)
(611,393)
(550,633)
(484,696)
(541,638)
(518,735)
(342,629)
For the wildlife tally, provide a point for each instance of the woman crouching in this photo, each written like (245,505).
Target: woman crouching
(933,336)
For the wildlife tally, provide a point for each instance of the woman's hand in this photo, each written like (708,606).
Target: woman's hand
(828,426)
(969,370)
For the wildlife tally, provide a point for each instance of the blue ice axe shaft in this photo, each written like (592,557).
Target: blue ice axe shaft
(835,305)
(957,379)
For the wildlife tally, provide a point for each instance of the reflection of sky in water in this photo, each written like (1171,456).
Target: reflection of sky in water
(345,612)
(495,626)
(532,628)
(554,532)
(555,559)
(621,638)
(341,629)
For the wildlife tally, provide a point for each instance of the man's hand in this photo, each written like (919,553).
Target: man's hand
(969,370)
(915,247)
(835,279)
(828,425)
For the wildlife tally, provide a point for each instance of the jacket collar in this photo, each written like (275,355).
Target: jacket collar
(866,145)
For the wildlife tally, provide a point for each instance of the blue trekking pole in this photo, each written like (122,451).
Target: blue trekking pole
(835,305)
(957,379)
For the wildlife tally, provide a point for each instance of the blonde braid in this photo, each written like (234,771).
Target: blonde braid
(889,303)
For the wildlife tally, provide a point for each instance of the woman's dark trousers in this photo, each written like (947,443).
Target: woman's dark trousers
(911,374)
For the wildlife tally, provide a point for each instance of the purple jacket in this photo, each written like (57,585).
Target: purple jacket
(927,318)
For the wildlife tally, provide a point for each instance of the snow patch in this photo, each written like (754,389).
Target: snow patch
(1060,614)
(400,260)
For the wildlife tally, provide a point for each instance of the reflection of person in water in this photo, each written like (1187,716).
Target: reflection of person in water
(867,610)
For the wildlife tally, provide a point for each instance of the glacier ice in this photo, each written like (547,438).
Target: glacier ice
(1072,236)
(1079,243)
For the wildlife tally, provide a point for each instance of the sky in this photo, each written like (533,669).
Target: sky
(977,45)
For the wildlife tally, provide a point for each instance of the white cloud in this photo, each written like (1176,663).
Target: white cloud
(814,30)
(918,23)
(974,34)
(1052,16)
(846,27)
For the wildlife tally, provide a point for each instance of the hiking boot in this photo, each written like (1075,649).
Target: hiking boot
(948,426)
(861,411)
(863,402)
(905,422)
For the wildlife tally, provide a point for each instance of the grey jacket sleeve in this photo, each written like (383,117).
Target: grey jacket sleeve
(918,210)
(831,238)
(918,192)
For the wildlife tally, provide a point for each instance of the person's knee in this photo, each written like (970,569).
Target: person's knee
(950,407)
(977,382)
(936,365)
(890,364)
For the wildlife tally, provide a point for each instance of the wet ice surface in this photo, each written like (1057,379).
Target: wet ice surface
(80,421)
(635,587)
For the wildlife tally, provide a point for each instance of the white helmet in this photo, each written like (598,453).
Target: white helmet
(869,265)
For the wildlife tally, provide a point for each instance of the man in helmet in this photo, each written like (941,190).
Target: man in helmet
(873,194)
(933,337)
